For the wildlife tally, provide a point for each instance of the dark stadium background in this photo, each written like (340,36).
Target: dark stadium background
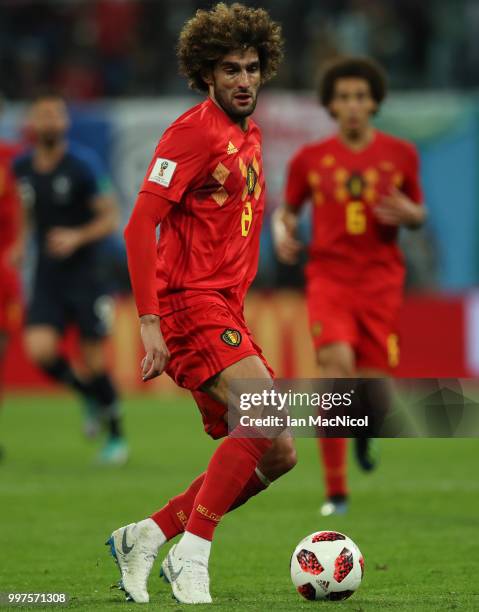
(115,62)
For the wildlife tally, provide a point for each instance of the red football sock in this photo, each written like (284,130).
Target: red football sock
(172,518)
(334,456)
(230,468)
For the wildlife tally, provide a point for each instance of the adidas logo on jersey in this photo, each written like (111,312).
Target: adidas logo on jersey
(231,148)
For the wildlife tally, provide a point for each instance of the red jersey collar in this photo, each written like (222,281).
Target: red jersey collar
(366,150)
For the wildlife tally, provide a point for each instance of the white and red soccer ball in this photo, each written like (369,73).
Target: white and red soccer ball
(327,565)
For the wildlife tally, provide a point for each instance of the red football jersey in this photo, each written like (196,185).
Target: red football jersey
(9,205)
(213,172)
(348,243)
(9,215)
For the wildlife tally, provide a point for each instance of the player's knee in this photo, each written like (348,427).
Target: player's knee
(336,361)
(343,371)
(42,358)
(40,351)
(289,459)
(335,368)
(286,458)
(94,368)
(279,460)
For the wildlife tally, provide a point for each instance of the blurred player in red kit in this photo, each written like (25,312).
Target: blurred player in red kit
(11,249)
(205,186)
(363,185)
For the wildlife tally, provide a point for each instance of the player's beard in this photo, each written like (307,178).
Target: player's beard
(354,134)
(235,113)
(49,140)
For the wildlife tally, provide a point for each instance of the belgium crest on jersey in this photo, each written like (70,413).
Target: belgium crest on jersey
(355,185)
(251,178)
(231,337)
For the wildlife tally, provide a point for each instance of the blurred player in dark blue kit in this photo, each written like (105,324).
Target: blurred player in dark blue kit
(70,209)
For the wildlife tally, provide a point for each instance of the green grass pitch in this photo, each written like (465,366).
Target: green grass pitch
(416,519)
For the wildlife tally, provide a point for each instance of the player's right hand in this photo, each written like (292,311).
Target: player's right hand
(157,354)
(16,255)
(284,226)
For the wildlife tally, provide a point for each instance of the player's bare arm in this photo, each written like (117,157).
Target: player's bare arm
(284,224)
(25,224)
(397,209)
(64,241)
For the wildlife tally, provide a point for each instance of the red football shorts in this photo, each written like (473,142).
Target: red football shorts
(11,308)
(367,321)
(204,339)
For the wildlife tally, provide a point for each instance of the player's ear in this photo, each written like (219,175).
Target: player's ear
(207,76)
(331,110)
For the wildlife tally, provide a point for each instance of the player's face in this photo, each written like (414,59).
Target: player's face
(49,120)
(352,104)
(235,81)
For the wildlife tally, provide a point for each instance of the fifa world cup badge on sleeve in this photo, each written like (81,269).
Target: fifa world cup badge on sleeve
(162,172)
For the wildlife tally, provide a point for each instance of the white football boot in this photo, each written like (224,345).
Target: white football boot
(188,578)
(134,548)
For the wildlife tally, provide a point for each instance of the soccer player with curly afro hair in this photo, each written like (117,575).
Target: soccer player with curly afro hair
(205,186)
(364,185)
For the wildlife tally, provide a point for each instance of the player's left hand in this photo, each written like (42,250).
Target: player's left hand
(397,209)
(63,241)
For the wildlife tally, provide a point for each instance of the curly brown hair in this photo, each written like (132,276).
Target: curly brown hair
(344,67)
(210,35)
